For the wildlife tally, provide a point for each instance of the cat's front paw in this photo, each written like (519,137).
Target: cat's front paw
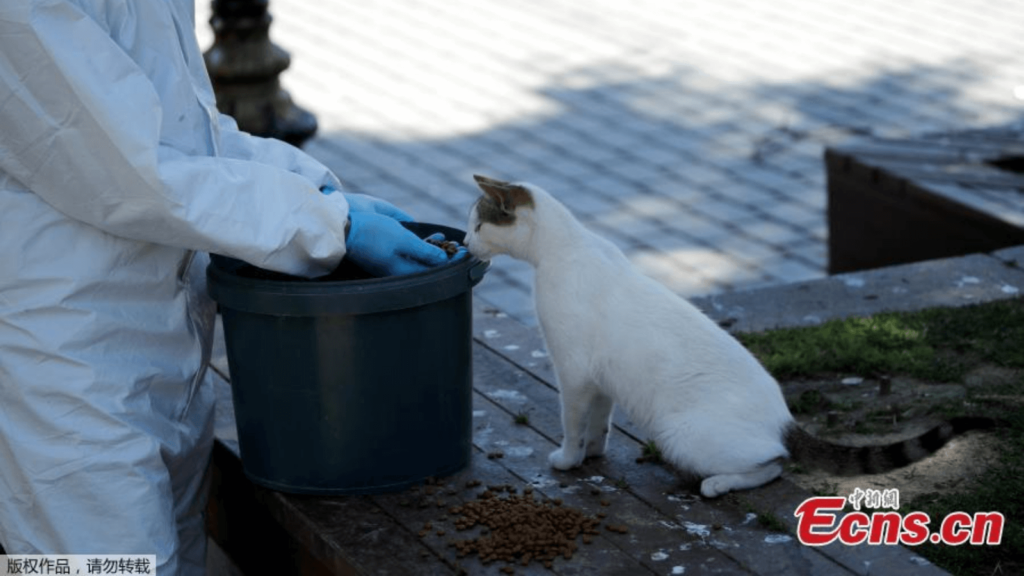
(560,460)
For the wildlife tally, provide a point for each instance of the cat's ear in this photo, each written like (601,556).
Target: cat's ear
(505,194)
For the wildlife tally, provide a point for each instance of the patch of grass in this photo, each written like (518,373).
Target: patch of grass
(770,521)
(930,344)
(650,453)
(767,519)
(988,332)
(521,418)
(621,483)
(998,489)
(938,345)
(857,346)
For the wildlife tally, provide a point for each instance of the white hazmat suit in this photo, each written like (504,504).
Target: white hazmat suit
(115,168)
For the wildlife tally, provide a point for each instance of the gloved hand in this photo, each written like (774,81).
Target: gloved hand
(364,203)
(380,245)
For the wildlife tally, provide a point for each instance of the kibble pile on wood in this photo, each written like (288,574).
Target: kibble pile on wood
(521,528)
(516,527)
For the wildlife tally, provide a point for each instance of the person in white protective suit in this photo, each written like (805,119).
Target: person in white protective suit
(117,174)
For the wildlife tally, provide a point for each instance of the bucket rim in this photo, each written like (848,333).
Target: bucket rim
(371,295)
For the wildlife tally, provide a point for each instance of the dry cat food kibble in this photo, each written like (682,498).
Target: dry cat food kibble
(520,528)
(617,529)
(449,246)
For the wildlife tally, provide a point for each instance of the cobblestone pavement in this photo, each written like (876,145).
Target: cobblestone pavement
(689,133)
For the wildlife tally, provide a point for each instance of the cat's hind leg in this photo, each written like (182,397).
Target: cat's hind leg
(599,423)
(714,486)
(577,406)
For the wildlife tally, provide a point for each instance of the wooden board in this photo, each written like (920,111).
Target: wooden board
(669,527)
(898,201)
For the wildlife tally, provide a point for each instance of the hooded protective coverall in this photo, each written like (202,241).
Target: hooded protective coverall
(111,152)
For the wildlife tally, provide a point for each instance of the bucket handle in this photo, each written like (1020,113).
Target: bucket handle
(477,271)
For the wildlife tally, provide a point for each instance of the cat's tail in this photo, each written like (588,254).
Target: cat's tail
(846,460)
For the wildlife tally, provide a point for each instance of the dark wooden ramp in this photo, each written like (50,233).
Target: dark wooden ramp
(899,201)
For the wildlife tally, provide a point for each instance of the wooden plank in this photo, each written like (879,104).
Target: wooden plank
(1003,138)
(954,149)
(879,219)
(379,534)
(352,535)
(992,203)
(416,507)
(943,158)
(864,560)
(303,534)
(663,504)
(974,174)
(247,532)
(649,535)
(667,525)
(524,348)
(661,490)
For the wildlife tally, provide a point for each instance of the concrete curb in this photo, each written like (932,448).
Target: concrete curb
(946,282)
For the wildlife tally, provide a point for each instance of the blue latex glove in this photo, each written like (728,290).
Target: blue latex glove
(364,203)
(380,245)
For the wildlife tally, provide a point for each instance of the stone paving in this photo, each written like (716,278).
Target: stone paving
(689,133)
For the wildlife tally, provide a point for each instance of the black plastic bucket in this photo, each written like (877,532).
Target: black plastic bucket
(350,385)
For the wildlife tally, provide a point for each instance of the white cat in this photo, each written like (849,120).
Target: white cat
(618,337)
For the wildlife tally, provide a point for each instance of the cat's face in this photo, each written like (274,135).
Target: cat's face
(501,220)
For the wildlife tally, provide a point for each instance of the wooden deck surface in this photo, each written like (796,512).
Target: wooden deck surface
(669,528)
(894,201)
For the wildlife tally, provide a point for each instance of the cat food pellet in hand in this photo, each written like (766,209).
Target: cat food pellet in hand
(449,246)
